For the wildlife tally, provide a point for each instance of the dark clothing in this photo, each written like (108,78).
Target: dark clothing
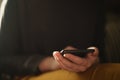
(33,29)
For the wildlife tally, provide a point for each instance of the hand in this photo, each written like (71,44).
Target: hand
(74,63)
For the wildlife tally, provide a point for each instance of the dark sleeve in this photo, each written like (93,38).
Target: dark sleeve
(19,64)
(14,59)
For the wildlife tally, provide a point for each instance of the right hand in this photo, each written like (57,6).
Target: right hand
(74,63)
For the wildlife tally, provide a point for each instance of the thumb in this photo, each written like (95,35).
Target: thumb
(96,52)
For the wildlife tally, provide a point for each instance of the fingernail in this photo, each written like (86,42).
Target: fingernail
(54,53)
(64,55)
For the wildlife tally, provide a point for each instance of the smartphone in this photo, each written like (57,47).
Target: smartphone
(80,53)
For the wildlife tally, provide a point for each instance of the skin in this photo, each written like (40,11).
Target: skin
(69,62)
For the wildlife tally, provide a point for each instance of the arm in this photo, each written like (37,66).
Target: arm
(15,45)
(20,64)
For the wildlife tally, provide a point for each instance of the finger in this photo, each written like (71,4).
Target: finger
(94,55)
(59,59)
(55,54)
(93,58)
(75,59)
(96,52)
(64,63)
(78,60)
(68,65)
(72,67)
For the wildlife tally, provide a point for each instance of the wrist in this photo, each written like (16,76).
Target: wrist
(48,64)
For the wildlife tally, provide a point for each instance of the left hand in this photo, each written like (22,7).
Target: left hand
(74,63)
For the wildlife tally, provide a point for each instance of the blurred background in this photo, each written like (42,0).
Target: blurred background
(112,29)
